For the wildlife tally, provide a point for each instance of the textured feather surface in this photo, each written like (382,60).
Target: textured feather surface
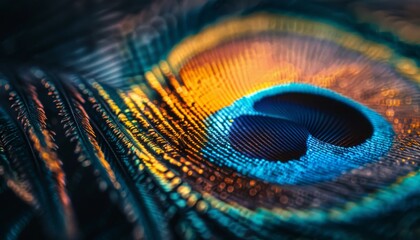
(213,119)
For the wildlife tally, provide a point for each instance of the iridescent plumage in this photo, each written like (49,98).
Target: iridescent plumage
(213,120)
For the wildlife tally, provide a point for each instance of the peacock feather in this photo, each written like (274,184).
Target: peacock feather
(253,119)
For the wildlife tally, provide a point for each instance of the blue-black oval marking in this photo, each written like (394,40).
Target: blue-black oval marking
(283,138)
(325,158)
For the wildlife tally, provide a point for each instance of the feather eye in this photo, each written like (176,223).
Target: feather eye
(213,119)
